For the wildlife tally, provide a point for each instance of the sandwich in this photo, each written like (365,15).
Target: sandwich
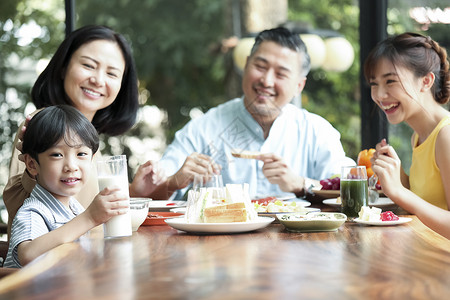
(227,213)
(236,206)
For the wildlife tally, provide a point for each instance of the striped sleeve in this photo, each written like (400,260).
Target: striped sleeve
(29,223)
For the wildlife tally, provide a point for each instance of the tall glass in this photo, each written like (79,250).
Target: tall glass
(354,190)
(112,173)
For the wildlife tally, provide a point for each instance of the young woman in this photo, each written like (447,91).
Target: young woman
(92,70)
(410,81)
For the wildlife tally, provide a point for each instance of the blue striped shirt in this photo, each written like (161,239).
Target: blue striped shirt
(39,214)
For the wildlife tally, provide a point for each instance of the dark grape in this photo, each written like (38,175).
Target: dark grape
(331,183)
(326,184)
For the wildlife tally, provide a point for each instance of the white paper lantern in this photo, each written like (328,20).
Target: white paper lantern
(242,51)
(340,55)
(316,49)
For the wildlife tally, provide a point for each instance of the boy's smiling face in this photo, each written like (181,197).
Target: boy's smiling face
(62,169)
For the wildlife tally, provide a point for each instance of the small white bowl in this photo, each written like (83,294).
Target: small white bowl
(138,211)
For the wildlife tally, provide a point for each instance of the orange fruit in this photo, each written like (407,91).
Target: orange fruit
(364,160)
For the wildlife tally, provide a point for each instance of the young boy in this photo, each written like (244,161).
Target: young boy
(58,147)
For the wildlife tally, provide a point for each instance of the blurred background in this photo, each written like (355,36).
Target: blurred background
(187,54)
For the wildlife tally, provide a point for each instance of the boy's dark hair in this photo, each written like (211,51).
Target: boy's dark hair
(58,122)
(48,89)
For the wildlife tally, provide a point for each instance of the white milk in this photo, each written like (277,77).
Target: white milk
(118,225)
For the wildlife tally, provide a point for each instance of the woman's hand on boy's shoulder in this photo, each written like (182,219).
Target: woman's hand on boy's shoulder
(20,137)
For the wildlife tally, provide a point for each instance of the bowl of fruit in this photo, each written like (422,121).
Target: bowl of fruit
(329,187)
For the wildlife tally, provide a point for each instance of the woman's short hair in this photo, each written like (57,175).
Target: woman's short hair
(57,122)
(48,89)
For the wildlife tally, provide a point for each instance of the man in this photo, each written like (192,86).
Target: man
(296,147)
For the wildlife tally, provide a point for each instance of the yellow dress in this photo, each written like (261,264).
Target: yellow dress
(425,176)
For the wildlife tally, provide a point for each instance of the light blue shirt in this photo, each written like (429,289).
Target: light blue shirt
(307,142)
(39,214)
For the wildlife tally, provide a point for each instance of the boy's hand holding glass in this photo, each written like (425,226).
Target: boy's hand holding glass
(108,203)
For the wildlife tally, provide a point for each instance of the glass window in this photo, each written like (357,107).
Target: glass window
(426,17)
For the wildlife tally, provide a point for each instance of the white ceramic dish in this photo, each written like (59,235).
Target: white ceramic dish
(274,214)
(381,202)
(281,198)
(180,210)
(181,224)
(163,205)
(401,220)
(323,221)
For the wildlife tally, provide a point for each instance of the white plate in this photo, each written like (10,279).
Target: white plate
(279,197)
(274,214)
(400,220)
(180,210)
(163,205)
(381,202)
(301,202)
(181,224)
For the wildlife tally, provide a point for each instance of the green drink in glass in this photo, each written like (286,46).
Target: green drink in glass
(354,190)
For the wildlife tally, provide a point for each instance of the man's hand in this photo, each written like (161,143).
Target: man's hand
(194,164)
(278,172)
(147,178)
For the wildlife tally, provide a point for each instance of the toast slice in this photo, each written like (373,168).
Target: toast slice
(239,153)
(227,213)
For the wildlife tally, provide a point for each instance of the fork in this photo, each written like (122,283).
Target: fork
(373,193)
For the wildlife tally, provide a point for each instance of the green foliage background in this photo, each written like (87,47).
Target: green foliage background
(174,45)
(335,96)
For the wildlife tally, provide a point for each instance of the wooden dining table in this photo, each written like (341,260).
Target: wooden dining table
(407,261)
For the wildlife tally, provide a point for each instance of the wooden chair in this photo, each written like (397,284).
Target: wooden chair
(3,252)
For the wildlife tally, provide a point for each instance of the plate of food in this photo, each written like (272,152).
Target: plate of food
(267,200)
(285,197)
(325,193)
(157,218)
(180,210)
(314,222)
(332,193)
(163,205)
(374,216)
(401,220)
(277,206)
(307,210)
(233,227)
(381,202)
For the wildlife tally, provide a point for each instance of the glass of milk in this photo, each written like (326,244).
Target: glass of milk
(112,173)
